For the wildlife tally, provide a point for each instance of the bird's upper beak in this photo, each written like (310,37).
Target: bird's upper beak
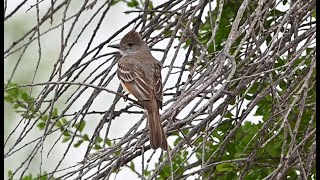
(117,46)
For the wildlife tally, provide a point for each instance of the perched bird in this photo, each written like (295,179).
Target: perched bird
(140,74)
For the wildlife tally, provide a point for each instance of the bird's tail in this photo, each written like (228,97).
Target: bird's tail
(157,136)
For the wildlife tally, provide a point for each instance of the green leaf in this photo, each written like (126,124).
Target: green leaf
(16,106)
(117,152)
(168,33)
(283,84)
(66,138)
(64,121)
(28,177)
(44,118)
(66,133)
(86,137)
(97,147)
(150,5)
(10,174)
(55,112)
(108,142)
(43,176)
(133,3)
(232,101)
(274,148)
(41,125)
(132,166)
(115,2)
(99,139)
(228,115)
(25,97)
(8,98)
(224,126)
(14,92)
(224,167)
(78,143)
(248,97)
(146,172)
(177,141)
(253,88)
(80,125)
(58,124)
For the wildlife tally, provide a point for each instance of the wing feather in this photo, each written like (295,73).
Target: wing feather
(144,82)
(133,81)
(158,89)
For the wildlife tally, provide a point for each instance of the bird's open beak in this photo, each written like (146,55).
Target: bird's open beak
(117,46)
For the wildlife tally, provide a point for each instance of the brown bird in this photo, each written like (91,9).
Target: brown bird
(140,74)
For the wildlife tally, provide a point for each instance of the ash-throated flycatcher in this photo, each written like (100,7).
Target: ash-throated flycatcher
(140,74)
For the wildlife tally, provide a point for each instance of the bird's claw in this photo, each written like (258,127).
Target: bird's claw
(126,97)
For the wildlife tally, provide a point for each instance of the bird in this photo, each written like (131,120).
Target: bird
(140,75)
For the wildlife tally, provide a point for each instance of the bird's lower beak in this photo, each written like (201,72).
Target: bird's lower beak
(117,46)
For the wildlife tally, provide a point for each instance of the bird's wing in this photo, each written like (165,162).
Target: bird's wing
(157,85)
(133,80)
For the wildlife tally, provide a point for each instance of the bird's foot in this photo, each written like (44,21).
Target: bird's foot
(126,97)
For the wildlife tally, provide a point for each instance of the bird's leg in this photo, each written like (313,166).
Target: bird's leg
(125,96)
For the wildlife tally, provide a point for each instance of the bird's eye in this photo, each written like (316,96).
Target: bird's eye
(130,44)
